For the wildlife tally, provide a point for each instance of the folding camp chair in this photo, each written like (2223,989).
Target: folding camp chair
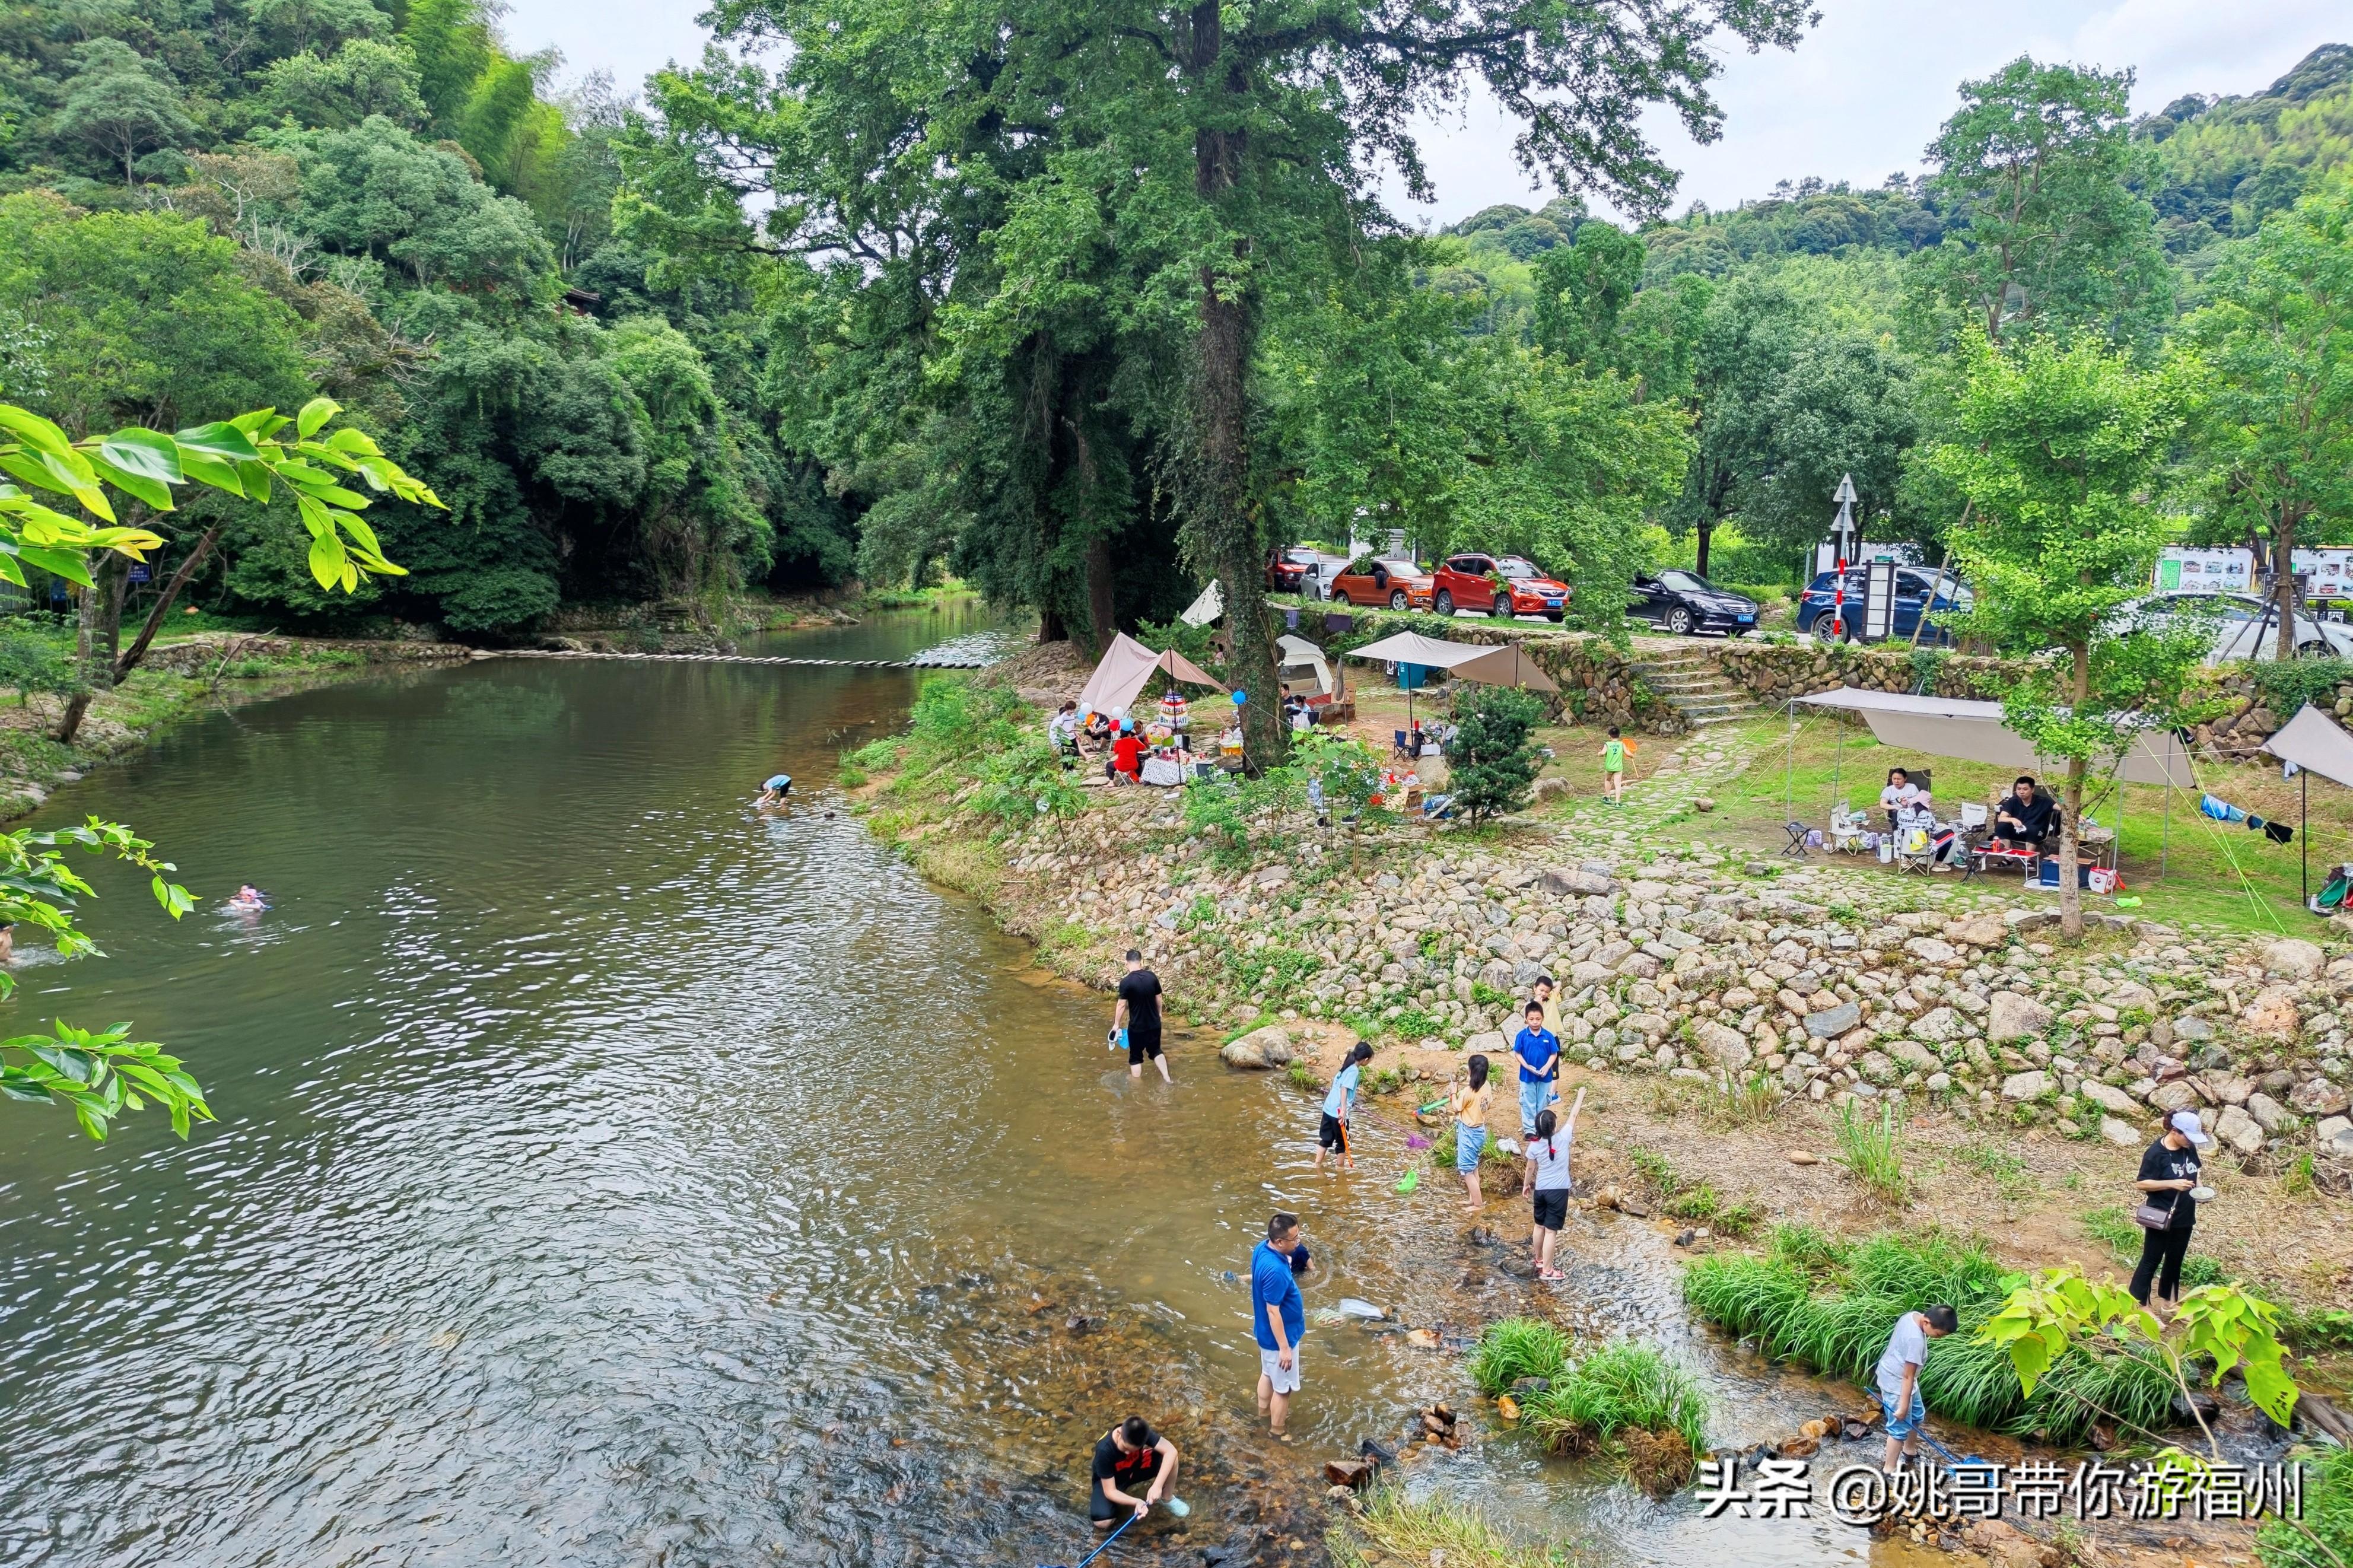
(1797,844)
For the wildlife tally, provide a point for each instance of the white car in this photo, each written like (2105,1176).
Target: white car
(2242,629)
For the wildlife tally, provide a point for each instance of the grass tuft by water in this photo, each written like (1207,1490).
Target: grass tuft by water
(1391,1528)
(1832,1308)
(1873,1153)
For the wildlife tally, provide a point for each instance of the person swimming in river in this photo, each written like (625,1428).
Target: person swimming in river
(250,900)
(773,793)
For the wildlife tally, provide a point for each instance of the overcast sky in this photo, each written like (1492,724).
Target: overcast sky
(1857,101)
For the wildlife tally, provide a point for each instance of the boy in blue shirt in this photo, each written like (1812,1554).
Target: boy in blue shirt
(1278,1317)
(1339,1106)
(1539,1049)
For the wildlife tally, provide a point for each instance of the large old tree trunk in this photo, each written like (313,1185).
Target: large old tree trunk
(2283,577)
(1227,528)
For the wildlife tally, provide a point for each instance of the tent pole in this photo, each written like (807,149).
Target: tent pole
(1838,759)
(2165,834)
(1790,777)
(2304,828)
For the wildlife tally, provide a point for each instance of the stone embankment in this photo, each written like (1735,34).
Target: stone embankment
(1691,962)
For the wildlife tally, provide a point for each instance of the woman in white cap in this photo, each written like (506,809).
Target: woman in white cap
(2168,1171)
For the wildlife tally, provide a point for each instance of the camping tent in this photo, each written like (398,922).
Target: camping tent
(1302,661)
(1974,732)
(1508,665)
(1126,667)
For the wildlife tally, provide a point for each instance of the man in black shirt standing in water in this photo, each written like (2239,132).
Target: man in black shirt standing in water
(1138,1012)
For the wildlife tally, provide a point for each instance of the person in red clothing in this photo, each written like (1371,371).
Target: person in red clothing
(1127,755)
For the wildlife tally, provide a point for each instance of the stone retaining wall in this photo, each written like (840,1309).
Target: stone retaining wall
(1776,672)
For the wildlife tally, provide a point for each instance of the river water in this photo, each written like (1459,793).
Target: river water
(605,1174)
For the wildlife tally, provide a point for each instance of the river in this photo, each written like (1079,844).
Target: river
(605,1174)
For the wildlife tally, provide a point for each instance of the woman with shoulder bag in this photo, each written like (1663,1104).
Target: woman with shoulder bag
(2168,1172)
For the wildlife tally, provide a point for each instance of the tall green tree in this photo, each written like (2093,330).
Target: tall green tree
(122,103)
(2276,352)
(2038,167)
(2059,453)
(1242,173)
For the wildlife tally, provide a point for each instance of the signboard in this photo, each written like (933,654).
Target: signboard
(2181,569)
(2328,572)
(1879,601)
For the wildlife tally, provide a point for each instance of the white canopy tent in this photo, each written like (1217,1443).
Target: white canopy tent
(1299,654)
(1973,732)
(2313,742)
(1507,665)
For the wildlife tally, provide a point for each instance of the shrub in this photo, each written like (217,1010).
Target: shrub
(2328,1514)
(1873,1153)
(1624,1387)
(1750,1100)
(31,664)
(1433,1531)
(1832,1307)
(1517,1348)
(1492,766)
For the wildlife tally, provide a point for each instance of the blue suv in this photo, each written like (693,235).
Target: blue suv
(1919,591)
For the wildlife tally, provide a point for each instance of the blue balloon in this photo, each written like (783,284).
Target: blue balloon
(1240,698)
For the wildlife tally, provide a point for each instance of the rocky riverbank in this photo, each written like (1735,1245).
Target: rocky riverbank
(1697,978)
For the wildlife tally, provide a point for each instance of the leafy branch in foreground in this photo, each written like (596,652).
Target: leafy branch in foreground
(97,1074)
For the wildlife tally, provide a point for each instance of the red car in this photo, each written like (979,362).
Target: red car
(1290,570)
(1499,585)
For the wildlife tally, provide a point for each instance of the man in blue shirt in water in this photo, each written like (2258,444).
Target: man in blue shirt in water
(1539,1049)
(1278,1318)
(773,793)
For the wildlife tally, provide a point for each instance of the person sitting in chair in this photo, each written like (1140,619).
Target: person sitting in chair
(2028,816)
(1900,797)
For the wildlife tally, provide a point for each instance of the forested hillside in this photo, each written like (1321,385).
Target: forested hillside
(1030,312)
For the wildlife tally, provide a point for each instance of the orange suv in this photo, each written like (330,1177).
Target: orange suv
(1499,585)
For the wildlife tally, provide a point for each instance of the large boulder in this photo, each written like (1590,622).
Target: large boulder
(2293,957)
(2269,1113)
(1491,1044)
(1981,931)
(2014,1017)
(1836,1021)
(2273,1015)
(1929,949)
(1727,1049)
(2109,1098)
(2181,1094)
(2316,1097)
(1937,1025)
(2123,1134)
(1271,1047)
(2025,1085)
(1914,1054)
(2239,1129)
(1579,882)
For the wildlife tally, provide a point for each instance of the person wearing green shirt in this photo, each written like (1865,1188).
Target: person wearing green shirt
(1613,766)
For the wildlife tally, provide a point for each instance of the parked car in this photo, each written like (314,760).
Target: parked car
(1374,581)
(1685,602)
(2241,629)
(1918,592)
(1499,585)
(1297,570)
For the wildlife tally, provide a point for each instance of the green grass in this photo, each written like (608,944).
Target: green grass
(1654,1168)
(2203,865)
(1443,1150)
(2113,1229)
(1624,1386)
(1831,1305)
(1750,1100)
(2007,1171)
(1703,1204)
(2328,1513)
(1389,1528)
(1517,1348)
(1873,1151)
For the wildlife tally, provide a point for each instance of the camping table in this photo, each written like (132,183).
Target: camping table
(1163,772)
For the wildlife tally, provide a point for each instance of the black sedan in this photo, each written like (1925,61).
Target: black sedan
(1685,602)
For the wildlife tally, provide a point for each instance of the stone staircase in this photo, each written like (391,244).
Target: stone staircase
(1688,681)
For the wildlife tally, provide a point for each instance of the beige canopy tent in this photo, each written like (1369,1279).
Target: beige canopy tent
(1126,667)
(1974,732)
(2314,744)
(1507,665)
